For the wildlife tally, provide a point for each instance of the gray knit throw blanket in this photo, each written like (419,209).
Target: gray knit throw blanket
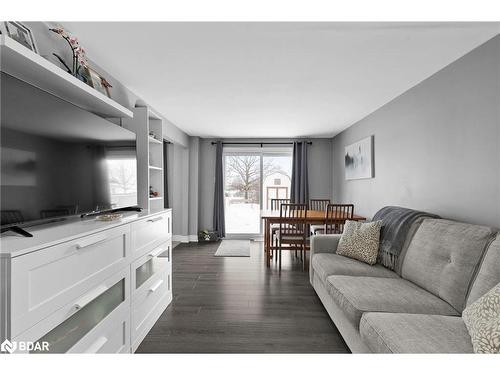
(397,221)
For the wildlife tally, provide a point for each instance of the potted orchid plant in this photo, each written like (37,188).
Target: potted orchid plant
(80,66)
(78,53)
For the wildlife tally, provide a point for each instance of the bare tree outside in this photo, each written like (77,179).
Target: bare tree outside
(245,193)
(122,176)
(243,174)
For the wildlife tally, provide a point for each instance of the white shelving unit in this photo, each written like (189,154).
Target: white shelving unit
(24,64)
(154,140)
(156,198)
(149,156)
(124,279)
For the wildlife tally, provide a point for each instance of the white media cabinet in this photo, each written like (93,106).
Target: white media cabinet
(86,286)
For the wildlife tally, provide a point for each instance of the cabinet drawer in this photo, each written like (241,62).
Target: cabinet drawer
(85,324)
(147,266)
(111,336)
(148,233)
(150,301)
(46,280)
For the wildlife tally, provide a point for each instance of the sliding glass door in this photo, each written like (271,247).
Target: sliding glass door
(277,173)
(242,192)
(252,177)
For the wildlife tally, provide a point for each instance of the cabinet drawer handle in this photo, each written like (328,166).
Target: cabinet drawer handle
(86,299)
(154,254)
(155,219)
(156,286)
(97,345)
(92,241)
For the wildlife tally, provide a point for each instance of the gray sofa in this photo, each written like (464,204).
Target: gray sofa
(443,267)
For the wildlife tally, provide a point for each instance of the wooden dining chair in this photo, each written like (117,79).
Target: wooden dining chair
(318,205)
(277,202)
(336,216)
(294,236)
(275,206)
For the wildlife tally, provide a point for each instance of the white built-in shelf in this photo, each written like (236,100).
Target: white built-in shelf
(24,64)
(149,155)
(154,140)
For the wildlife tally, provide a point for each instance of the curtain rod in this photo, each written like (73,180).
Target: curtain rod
(258,143)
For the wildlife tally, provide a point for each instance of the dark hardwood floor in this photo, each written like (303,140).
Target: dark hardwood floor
(237,305)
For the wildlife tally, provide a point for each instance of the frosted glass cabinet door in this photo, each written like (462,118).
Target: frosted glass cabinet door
(152,263)
(69,332)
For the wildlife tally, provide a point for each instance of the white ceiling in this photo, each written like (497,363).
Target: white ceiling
(274,79)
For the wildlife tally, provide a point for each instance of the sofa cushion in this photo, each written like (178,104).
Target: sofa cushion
(489,272)
(360,241)
(356,295)
(482,319)
(443,256)
(414,333)
(325,265)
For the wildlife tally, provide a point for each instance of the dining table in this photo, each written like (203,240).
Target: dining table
(312,218)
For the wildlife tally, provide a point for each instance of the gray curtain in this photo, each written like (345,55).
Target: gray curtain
(219,224)
(299,192)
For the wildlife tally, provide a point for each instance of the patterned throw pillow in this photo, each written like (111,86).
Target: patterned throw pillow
(360,241)
(482,319)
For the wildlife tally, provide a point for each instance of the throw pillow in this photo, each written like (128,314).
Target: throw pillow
(482,319)
(360,241)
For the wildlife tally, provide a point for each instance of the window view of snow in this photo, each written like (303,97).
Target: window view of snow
(243,195)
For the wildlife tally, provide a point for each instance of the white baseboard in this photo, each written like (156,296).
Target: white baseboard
(185,239)
(179,238)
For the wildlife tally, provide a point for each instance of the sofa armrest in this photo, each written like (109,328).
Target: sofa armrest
(324,243)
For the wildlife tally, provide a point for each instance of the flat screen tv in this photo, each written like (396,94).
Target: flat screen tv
(58,160)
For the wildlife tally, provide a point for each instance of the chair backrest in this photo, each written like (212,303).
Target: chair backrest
(336,215)
(277,202)
(318,204)
(297,214)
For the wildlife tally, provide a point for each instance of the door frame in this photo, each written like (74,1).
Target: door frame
(261,152)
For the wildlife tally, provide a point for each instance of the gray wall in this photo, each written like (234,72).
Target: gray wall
(437,146)
(178,189)
(207,184)
(183,175)
(173,134)
(194,175)
(320,174)
(320,168)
